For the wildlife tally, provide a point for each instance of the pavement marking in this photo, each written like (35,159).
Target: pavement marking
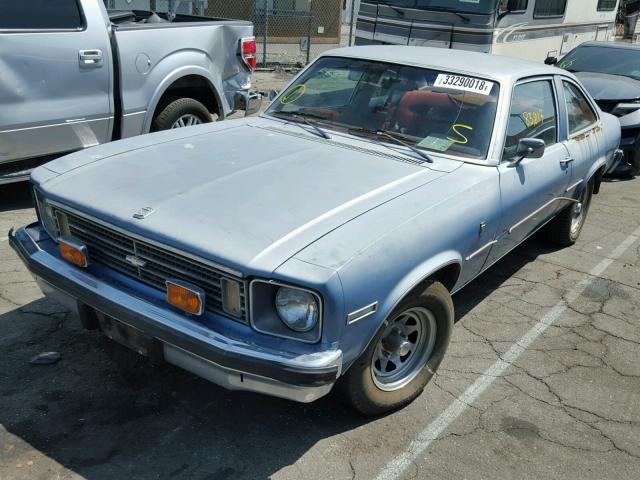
(396,467)
(4,239)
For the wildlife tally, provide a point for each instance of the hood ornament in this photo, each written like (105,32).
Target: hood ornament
(143,212)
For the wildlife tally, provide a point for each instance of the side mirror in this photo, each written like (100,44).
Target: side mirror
(253,104)
(273,94)
(529,148)
(551,60)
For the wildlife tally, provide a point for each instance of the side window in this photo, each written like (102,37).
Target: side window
(581,115)
(550,8)
(40,14)
(532,115)
(607,5)
(514,6)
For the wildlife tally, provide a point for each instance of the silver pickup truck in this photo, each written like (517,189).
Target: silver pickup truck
(74,75)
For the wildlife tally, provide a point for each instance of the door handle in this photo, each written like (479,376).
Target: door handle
(566,161)
(90,58)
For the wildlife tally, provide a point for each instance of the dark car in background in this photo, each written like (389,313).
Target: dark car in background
(611,73)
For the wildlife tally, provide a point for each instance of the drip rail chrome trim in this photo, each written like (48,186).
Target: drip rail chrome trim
(535,212)
(480,250)
(359,314)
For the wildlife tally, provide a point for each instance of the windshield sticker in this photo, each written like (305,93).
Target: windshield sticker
(294,94)
(436,143)
(467,84)
(462,139)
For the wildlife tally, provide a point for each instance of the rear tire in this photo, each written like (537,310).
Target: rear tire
(372,386)
(182,112)
(565,229)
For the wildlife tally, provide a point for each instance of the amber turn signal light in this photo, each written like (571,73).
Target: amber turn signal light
(185,297)
(74,252)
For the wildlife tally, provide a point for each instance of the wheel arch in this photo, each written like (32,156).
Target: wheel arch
(192,82)
(445,268)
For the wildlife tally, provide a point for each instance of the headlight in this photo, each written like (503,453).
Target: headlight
(45,212)
(285,311)
(298,309)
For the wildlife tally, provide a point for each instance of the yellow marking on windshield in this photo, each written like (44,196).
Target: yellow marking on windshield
(533,119)
(462,140)
(294,94)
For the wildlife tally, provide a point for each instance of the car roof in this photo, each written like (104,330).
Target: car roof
(502,68)
(617,45)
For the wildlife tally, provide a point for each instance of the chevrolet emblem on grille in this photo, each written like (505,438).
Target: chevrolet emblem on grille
(144,212)
(135,261)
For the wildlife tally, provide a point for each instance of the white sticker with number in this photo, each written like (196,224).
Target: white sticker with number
(467,84)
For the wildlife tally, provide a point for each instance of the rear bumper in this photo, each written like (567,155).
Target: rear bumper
(227,362)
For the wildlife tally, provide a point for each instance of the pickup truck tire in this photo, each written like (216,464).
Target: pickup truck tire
(181,112)
(414,338)
(565,229)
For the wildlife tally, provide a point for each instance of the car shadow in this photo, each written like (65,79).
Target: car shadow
(490,280)
(15,196)
(104,412)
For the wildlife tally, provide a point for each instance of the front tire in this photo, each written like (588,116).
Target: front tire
(183,112)
(565,229)
(403,356)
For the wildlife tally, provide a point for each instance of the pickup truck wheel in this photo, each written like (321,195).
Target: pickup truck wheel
(183,112)
(565,229)
(403,356)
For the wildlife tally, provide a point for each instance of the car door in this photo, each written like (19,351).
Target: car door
(55,78)
(584,130)
(530,188)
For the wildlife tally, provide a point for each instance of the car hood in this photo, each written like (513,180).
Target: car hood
(602,86)
(246,195)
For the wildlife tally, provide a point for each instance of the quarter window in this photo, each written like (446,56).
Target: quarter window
(532,115)
(580,113)
(607,5)
(550,8)
(40,14)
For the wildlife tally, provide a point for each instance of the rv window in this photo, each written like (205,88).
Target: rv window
(581,115)
(607,5)
(40,14)
(514,6)
(550,8)
(532,115)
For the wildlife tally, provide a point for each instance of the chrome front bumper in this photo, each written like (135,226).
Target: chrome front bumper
(228,362)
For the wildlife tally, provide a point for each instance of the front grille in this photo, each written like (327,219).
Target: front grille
(111,247)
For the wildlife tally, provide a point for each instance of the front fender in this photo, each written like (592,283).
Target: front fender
(358,334)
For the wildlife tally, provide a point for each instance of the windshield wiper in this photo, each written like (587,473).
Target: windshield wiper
(395,139)
(306,121)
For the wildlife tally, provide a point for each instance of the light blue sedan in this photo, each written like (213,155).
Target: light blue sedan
(319,244)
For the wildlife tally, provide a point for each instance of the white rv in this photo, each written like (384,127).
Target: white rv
(529,29)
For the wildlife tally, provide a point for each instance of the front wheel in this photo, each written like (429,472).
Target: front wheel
(403,356)
(565,229)
(180,113)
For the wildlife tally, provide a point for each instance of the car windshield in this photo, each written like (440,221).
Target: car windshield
(432,110)
(613,61)
(470,6)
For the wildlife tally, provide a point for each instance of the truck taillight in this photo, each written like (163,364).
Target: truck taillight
(248,51)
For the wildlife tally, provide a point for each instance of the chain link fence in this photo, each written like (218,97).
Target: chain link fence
(288,32)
